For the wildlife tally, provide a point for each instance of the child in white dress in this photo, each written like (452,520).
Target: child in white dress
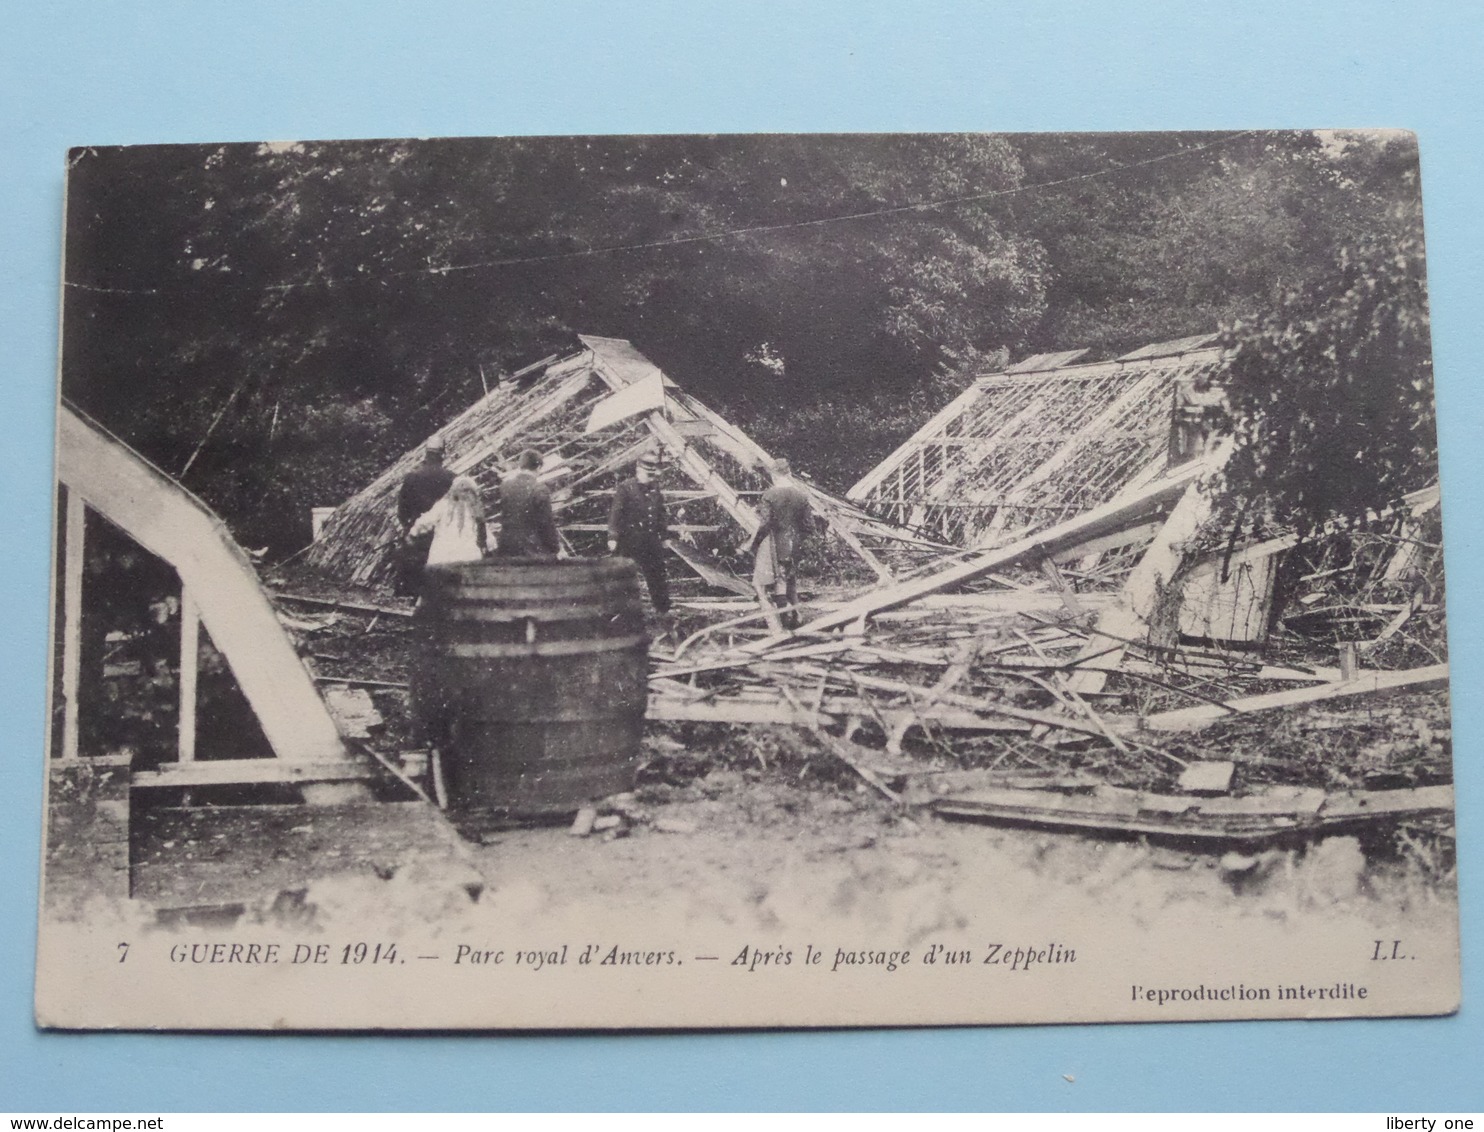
(457,525)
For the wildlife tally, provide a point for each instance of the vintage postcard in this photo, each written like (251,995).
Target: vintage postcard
(617,582)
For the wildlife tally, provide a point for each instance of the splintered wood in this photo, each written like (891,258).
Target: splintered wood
(996,679)
(1041,441)
(1032,584)
(713,475)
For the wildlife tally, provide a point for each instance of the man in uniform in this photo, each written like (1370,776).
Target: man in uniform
(424,486)
(638,528)
(527,524)
(783,521)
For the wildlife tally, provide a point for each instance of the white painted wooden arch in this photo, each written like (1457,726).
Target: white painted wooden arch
(218,585)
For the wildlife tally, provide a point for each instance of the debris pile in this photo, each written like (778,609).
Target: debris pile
(1085,661)
(1031,445)
(911,683)
(590,416)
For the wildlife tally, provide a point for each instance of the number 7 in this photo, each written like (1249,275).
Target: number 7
(124,949)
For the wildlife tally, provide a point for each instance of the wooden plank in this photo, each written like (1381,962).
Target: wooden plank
(1290,800)
(676,528)
(1207,776)
(1213,821)
(701,471)
(1368,683)
(1369,803)
(1128,619)
(721,664)
(1037,363)
(843,750)
(1179,667)
(971,605)
(190,660)
(237,772)
(352,606)
(624,363)
(710,574)
(754,711)
(1115,541)
(1394,626)
(533,367)
(357,682)
(1176,348)
(72,570)
(970,703)
(1064,591)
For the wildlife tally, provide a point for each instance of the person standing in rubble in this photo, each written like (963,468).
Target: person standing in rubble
(638,528)
(453,531)
(784,516)
(527,523)
(454,525)
(424,486)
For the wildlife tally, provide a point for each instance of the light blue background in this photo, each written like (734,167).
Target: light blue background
(102,72)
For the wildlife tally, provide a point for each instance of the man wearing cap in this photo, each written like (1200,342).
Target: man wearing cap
(783,521)
(527,523)
(638,527)
(424,486)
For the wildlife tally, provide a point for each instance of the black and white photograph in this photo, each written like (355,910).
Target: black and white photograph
(770,580)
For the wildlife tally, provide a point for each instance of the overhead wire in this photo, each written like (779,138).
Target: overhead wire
(683,241)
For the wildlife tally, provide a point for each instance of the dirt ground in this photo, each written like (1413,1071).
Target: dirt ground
(760,834)
(748,847)
(710,842)
(762,826)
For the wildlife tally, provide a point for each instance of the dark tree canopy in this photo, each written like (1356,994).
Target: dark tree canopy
(285,319)
(1331,392)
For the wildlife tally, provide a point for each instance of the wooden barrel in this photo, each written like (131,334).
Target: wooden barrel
(537,671)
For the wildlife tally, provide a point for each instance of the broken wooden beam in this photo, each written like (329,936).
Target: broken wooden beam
(352,606)
(1116,541)
(358,682)
(754,711)
(1136,510)
(242,772)
(1067,594)
(1367,683)
(841,749)
(1181,665)
(1128,619)
(709,572)
(970,703)
(1276,815)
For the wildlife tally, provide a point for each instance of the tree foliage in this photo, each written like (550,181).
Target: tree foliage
(1331,392)
(286,319)
(1192,235)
